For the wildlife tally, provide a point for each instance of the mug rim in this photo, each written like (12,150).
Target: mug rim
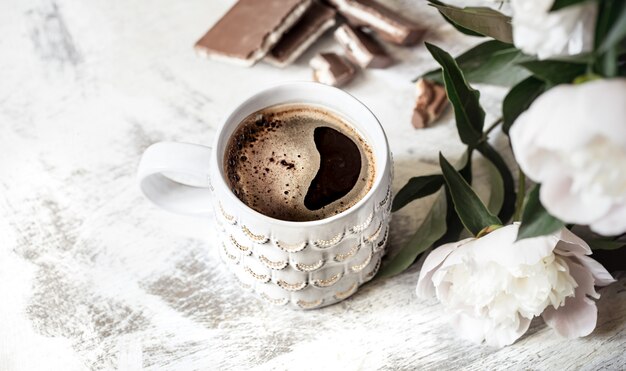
(379,168)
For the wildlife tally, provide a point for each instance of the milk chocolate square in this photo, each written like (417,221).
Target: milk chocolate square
(430,103)
(250,29)
(302,35)
(332,69)
(387,24)
(361,48)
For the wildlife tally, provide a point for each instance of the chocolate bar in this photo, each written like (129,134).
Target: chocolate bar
(430,103)
(387,24)
(361,48)
(250,29)
(332,69)
(300,37)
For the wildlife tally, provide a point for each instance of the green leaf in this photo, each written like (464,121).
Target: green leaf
(470,209)
(456,25)
(460,28)
(453,223)
(492,62)
(519,99)
(597,241)
(508,205)
(609,32)
(536,221)
(481,20)
(560,4)
(431,229)
(610,37)
(617,30)
(609,63)
(602,244)
(496,191)
(415,188)
(554,71)
(610,14)
(470,117)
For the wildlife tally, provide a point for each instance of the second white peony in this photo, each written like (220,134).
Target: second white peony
(572,140)
(492,287)
(568,31)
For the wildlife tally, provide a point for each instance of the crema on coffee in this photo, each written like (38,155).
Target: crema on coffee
(298,162)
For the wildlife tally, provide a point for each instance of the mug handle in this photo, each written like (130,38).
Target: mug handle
(175,177)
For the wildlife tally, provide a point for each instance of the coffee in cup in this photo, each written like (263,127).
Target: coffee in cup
(298,162)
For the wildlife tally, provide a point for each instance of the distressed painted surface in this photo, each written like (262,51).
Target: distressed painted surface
(93,277)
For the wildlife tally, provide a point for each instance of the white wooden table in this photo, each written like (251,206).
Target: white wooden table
(94,277)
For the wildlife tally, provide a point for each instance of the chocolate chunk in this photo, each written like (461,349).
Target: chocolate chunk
(340,165)
(430,103)
(332,69)
(300,37)
(250,29)
(388,24)
(361,48)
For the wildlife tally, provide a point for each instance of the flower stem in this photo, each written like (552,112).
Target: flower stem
(493,126)
(521,192)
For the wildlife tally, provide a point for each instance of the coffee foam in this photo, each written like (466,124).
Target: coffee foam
(271,163)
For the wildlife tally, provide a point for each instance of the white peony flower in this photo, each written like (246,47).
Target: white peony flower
(572,140)
(568,31)
(492,287)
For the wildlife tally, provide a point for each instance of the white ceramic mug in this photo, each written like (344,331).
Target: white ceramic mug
(305,264)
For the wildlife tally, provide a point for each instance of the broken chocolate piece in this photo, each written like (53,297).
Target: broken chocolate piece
(387,24)
(250,29)
(332,69)
(297,40)
(430,103)
(361,48)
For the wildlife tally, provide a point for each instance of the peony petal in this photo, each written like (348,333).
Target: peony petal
(558,158)
(574,241)
(600,101)
(603,102)
(442,287)
(469,328)
(478,329)
(583,277)
(576,319)
(559,199)
(425,286)
(601,276)
(546,34)
(505,335)
(613,223)
(499,246)
(579,315)
(537,162)
(571,244)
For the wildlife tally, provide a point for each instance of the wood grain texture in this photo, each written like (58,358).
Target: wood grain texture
(94,277)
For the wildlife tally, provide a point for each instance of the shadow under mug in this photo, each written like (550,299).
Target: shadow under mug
(303,264)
